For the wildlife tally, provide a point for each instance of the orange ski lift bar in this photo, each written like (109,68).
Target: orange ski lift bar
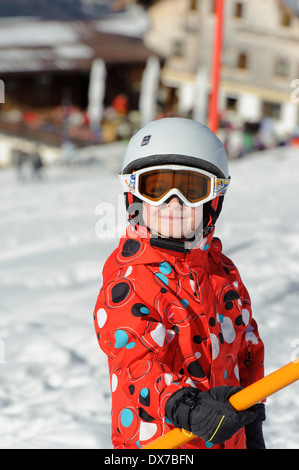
(241,400)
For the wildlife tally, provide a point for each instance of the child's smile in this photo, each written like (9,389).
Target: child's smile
(172,220)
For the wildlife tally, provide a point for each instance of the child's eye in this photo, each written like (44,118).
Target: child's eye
(192,191)
(187,189)
(157,189)
(161,189)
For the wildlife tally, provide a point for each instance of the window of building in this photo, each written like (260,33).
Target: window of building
(239,10)
(231,103)
(178,48)
(272,110)
(43,89)
(286,18)
(193,5)
(282,67)
(242,62)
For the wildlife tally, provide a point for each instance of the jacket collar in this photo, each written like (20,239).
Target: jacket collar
(194,253)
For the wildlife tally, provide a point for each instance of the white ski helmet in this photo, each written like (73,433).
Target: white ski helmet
(176,141)
(179,141)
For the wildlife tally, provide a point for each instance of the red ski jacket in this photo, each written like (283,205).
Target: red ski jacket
(168,320)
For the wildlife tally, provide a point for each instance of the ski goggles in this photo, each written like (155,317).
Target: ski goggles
(157,184)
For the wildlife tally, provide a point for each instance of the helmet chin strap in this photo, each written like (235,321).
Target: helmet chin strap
(176,244)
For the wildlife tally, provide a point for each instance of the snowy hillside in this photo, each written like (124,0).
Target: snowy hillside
(54,389)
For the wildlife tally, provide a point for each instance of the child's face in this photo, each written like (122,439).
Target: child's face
(172,219)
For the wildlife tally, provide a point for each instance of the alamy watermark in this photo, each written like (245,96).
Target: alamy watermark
(2,92)
(114,220)
(295,353)
(295,93)
(2,351)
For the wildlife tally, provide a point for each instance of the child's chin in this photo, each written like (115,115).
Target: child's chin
(174,231)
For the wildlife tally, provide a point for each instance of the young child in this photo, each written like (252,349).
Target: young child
(173,315)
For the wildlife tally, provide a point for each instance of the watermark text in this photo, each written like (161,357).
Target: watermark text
(295,347)
(295,92)
(2,92)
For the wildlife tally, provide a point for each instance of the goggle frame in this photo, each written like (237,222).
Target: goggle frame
(130,184)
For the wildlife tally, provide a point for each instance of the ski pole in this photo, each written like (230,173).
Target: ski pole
(241,400)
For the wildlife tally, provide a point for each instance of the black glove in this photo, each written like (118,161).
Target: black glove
(208,415)
(254,430)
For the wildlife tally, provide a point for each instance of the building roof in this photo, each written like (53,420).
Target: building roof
(29,45)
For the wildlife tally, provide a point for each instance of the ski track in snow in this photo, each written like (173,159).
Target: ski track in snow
(54,386)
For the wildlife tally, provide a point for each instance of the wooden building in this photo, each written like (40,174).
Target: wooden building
(45,67)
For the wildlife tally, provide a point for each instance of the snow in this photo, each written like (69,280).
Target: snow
(74,51)
(31,33)
(133,22)
(54,388)
(55,40)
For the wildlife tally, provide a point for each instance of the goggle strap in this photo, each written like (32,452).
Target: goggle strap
(220,186)
(127,183)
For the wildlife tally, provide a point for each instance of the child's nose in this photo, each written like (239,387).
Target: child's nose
(174,201)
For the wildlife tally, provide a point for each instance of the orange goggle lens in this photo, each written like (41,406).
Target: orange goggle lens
(155,184)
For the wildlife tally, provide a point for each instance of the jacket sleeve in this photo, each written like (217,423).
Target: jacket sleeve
(132,335)
(251,355)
